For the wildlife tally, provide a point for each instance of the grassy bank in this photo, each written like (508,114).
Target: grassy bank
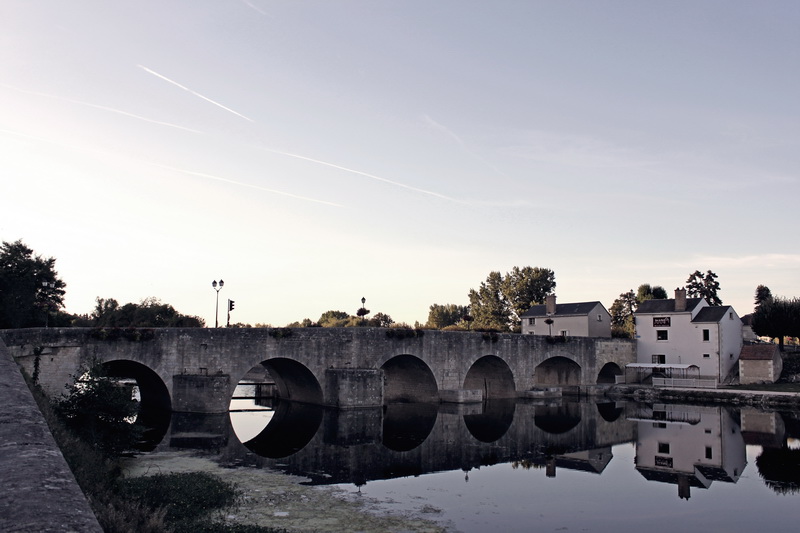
(163,503)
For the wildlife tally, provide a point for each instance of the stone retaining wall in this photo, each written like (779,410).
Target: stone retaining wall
(39,492)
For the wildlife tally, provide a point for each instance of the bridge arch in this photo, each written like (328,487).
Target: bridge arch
(558,370)
(407,378)
(608,374)
(493,376)
(155,406)
(294,381)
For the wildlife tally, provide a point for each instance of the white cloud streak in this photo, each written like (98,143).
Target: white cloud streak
(367,175)
(255,8)
(101,107)
(175,83)
(249,185)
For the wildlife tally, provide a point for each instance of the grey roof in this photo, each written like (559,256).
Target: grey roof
(665,306)
(712,314)
(576,309)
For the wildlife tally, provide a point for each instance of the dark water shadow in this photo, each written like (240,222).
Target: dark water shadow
(609,411)
(407,425)
(292,427)
(557,419)
(494,421)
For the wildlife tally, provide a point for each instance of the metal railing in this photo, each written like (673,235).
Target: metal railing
(692,383)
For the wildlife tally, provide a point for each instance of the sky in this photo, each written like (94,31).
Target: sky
(311,153)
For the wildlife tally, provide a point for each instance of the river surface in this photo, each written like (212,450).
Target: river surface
(545,465)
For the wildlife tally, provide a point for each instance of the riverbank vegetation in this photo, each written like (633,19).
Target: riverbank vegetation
(92,425)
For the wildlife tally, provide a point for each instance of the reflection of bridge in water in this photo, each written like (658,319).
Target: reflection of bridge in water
(404,439)
(688,446)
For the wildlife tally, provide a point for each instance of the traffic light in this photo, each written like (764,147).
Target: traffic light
(230,305)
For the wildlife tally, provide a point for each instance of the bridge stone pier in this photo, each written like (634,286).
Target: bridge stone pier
(196,370)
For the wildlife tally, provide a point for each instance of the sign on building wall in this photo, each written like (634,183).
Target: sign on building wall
(661,321)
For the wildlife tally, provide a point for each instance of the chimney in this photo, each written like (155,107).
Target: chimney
(680,299)
(550,304)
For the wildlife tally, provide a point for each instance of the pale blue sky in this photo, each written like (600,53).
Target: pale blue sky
(313,152)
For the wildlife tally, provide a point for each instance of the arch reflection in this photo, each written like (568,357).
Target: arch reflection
(407,425)
(291,428)
(495,420)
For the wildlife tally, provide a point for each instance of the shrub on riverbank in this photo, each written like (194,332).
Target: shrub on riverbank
(164,503)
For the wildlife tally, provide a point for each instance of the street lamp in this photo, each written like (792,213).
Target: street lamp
(217,286)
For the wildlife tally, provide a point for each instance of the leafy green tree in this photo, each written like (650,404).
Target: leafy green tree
(490,309)
(333,319)
(763,294)
(380,320)
(706,286)
(525,287)
(777,318)
(646,292)
(149,313)
(30,290)
(101,411)
(442,316)
(622,310)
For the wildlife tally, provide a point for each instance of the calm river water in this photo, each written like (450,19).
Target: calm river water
(548,465)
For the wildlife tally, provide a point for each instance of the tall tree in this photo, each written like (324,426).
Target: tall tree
(763,294)
(622,324)
(525,287)
(777,318)
(490,309)
(706,286)
(648,292)
(30,289)
(441,316)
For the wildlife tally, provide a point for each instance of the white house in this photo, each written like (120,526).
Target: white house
(685,337)
(583,319)
(689,446)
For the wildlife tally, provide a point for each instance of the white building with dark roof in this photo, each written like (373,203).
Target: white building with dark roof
(687,338)
(582,319)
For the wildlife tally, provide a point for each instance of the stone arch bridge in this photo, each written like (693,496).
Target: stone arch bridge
(197,370)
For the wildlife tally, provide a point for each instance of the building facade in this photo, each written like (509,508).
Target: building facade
(583,319)
(689,335)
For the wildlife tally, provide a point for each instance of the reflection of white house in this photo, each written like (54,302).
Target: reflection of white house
(584,319)
(685,337)
(689,446)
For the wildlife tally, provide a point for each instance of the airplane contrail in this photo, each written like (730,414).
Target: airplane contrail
(250,185)
(101,107)
(366,174)
(175,83)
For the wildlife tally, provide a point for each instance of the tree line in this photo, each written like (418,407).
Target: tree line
(32,295)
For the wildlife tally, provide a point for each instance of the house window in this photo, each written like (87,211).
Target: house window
(708,452)
(706,335)
(531,321)
(706,356)
(662,335)
(564,333)
(659,425)
(730,316)
(599,318)
(663,447)
(659,359)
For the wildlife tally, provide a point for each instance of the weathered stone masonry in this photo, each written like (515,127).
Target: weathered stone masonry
(196,370)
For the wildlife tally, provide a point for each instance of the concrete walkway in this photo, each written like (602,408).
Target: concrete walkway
(39,492)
